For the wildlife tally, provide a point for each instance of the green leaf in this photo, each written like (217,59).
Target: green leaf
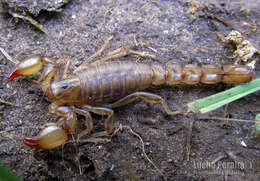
(213,102)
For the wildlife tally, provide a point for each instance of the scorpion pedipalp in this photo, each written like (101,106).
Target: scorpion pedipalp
(49,138)
(27,67)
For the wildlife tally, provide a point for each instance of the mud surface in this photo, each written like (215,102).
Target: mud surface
(179,31)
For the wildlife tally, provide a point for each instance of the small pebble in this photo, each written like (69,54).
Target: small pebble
(27,107)
(243,144)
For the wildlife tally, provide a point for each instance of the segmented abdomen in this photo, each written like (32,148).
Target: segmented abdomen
(110,81)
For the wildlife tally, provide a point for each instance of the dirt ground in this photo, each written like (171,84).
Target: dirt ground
(179,31)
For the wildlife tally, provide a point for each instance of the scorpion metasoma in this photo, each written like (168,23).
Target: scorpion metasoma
(100,86)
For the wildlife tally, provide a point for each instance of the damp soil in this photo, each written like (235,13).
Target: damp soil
(179,31)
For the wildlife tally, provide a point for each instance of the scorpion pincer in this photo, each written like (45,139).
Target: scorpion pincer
(101,86)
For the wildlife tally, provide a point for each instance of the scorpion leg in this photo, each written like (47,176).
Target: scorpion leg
(146,96)
(88,121)
(97,54)
(66,68)
(122,52)
(109,122)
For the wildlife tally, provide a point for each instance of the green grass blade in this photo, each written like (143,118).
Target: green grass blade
(32,21)
(257,122)
(213,102)
(6,174)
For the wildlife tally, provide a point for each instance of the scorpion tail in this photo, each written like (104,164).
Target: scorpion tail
(173,74)
(192,74)
(49,138)
(208,74)
(27,67)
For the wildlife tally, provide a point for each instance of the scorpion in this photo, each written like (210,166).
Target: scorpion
(102,85)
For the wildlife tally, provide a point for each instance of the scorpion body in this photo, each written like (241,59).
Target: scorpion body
(102,85)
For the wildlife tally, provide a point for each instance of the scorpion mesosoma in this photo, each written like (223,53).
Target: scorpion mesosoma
(100,86)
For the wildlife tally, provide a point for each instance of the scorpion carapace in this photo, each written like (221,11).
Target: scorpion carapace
(101,86)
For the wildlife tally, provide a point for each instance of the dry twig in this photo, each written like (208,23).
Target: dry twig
(188,141)
(8,56)
(227,119)
(8,103)
(143,149)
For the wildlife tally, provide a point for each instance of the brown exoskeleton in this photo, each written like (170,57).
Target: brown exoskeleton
(101,86)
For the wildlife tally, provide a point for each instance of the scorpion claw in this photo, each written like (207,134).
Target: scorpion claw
(49,138)
(32,142)
(13,75)
(27,67)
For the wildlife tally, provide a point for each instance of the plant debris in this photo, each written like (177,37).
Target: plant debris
(35,7)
